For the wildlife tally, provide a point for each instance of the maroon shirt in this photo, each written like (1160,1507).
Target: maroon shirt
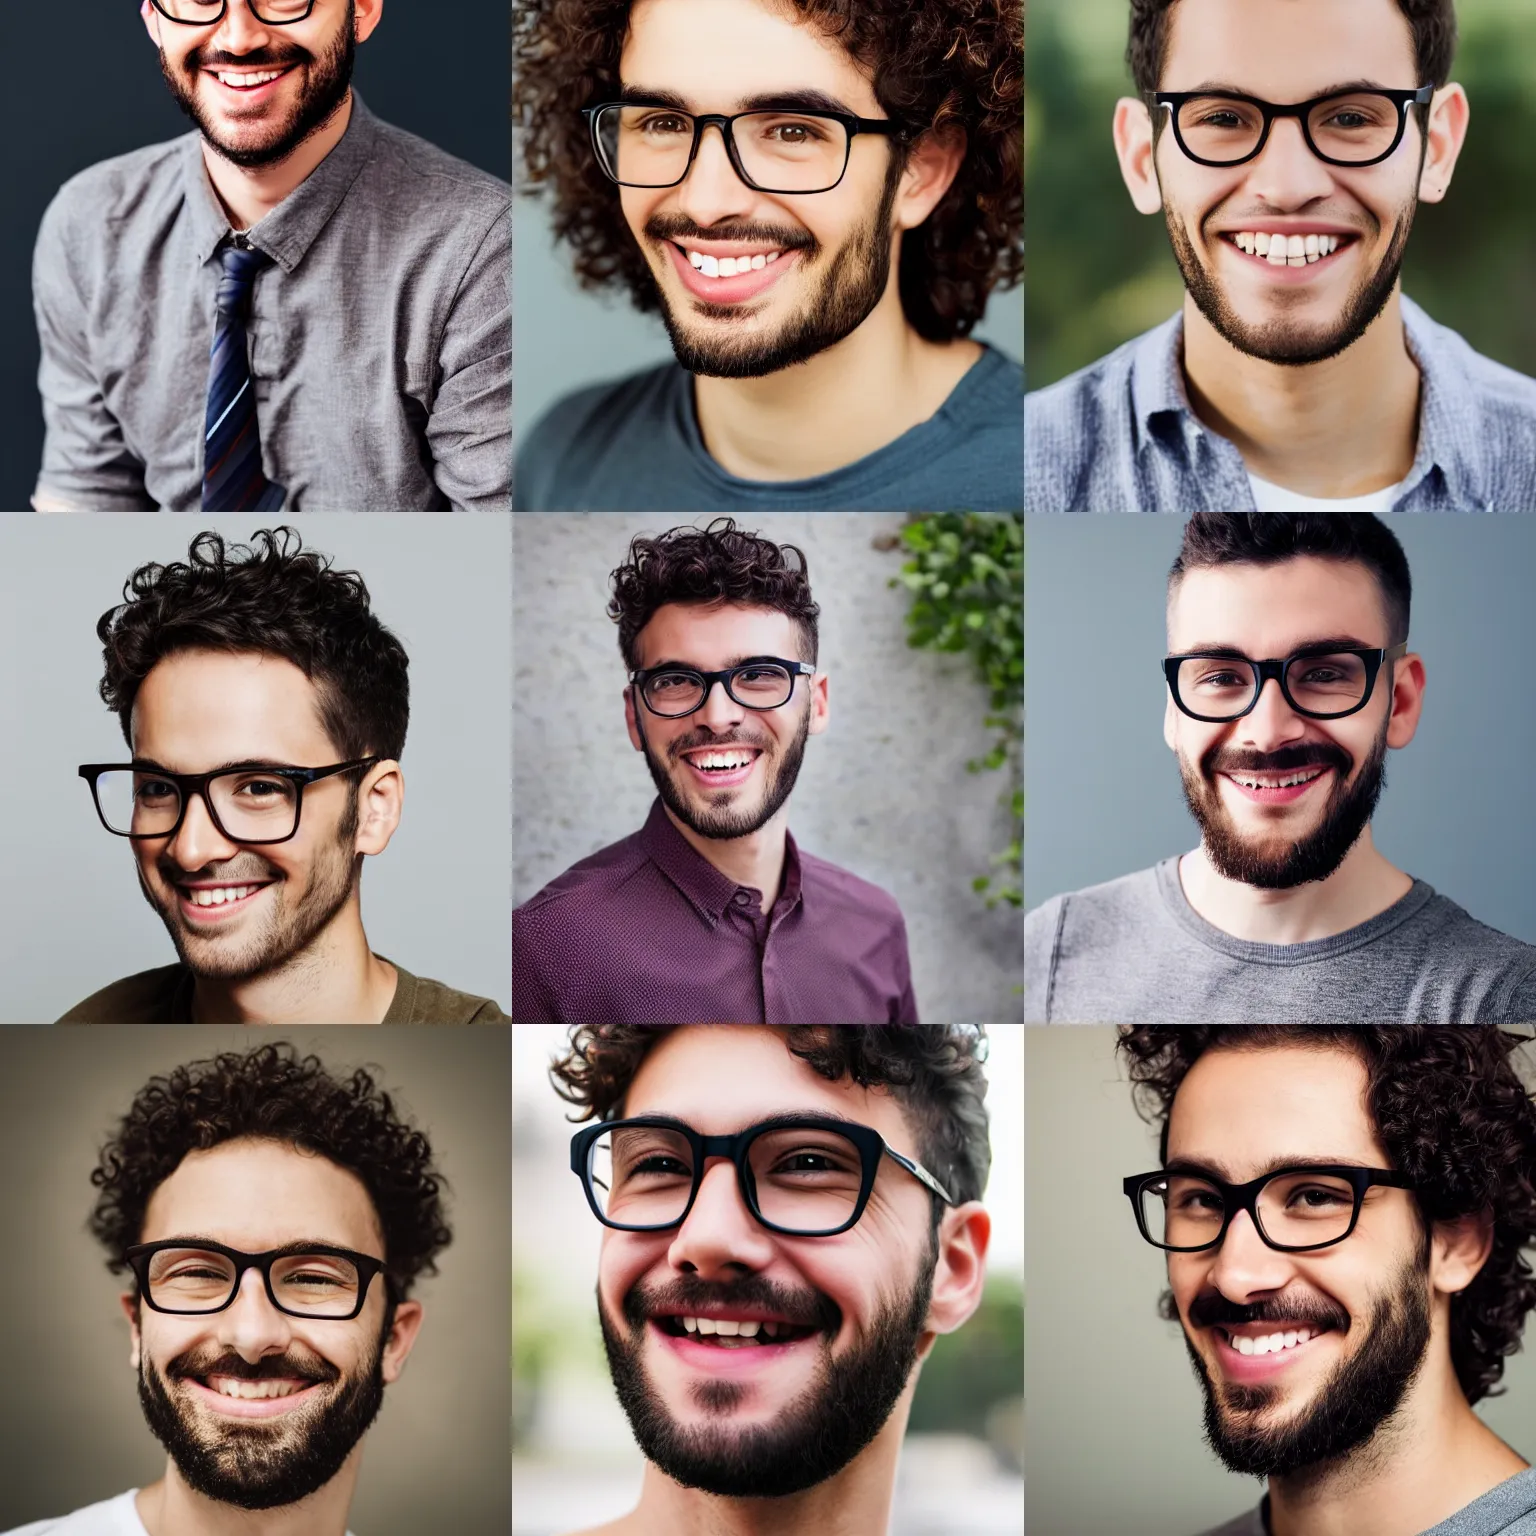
(648,931)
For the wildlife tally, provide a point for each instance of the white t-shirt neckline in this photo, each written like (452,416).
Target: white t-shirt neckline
(1275,498)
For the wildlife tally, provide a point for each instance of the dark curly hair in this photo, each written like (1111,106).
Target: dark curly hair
(933,1071)
(275,597)
(718,564)
(935,65)
(1453,1114)
(272,1093)
(1433,23)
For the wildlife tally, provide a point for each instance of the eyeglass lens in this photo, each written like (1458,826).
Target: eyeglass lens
(1355,127)
(1221,688)
(1296,1210)
(204,12)
(761,686)
(806,1180)
(194,1280)
(247,803)
(780,151)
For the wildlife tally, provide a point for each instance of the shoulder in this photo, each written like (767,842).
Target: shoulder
(993,386)
(829,886)
(111,1517)
(588,883)
(1250,1523)
(1464,934)
(433,174)
(419,1000)
(1099,392)
(1100,909)
(150,997)
(1491,383)
(105,195)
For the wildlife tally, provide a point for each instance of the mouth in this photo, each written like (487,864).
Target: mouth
(207,904)
(721,767)
(241,1397)
(1257,1351)
(731,1344)
(1276,788)
(722,278)
(249,84)
(1290,257)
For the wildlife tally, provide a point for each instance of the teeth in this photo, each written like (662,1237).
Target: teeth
(1304,777)
(722,759)
(218,895)
(234,1386)
(723,1328)
(728,266)
(1270,1343)
(229,77)
(1286,250)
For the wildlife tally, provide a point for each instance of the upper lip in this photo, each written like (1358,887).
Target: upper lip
(1263,1330)
(217,885)
(721,746)
(1287,227)
(733,1315)
(728,247)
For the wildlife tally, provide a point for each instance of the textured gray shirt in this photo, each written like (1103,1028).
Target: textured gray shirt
(381,342)
(1120,436)
(1133,951)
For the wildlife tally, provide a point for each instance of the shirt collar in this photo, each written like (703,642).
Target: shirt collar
(708,890)
(1157,379)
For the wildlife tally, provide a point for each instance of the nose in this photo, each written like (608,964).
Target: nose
(712,191)
(1287,174)
(197,841)
(250,1325)
(719,711)
(1245,1265)
(719,1236)
(241,30)
(1272,722)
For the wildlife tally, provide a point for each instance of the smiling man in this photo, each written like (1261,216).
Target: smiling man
(711,911)
(1343,1213)
(1288,145)
(297,306)
(790,1219)
(1288,680)
(265,707)
(818,198)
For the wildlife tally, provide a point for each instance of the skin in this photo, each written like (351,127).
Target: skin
(1346,426)
(1267,611)
(882,379)
(719,1079)
(255,1196)
(711,638)
(1237,1113)
(197,710)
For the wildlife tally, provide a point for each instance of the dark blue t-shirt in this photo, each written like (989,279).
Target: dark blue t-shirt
(635,446)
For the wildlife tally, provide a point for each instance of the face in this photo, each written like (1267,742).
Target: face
(1353,1321)
(233,911)
(258,91)
(764,1419)
(814,265)
(725,770)
(258,1408)
(1281,798)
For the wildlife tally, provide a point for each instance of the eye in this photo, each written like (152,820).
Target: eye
(262,789)
(155,789)
(660,123)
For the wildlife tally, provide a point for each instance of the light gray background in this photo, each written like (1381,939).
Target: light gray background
(1102,794)
(883,792)
(568,338)
(1114,1413)
(72,918)
(436,1460)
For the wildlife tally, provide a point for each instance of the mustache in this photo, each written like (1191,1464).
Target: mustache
(1309,754)
(271,1368)
(695,739)
(1213,1309)
(259,58)
(235,874)
(1365,224)
(677,226)
(691,1296)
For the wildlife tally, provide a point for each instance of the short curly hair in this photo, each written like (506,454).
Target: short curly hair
(718,564)
(1453,1114)
(933,1071)
(271,1093)
(272,597)
(935,65)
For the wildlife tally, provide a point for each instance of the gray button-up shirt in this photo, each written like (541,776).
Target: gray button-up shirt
(381,339)
(1120,436)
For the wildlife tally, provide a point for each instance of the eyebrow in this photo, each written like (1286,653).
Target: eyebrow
(1225,88)
(1323,647)
(149,764)
(299,1245)
(769,1122)
(1211,1168)
(766,101)
(693,666)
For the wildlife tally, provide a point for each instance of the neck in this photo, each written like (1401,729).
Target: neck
(1362,887)
(1344,427)
(756,860)
(847,402)
(250,194)
(172,1508)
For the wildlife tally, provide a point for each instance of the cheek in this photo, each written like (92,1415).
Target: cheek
(638,205)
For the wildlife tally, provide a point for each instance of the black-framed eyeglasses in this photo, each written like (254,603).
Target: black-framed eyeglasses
(208,13)
(785,149)
(252,803)
(802,1175)
(193,1276)
(1353,128)
(760,682)
(1320,682)
(1294,1209)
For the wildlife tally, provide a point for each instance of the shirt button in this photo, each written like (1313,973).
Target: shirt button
(742,898)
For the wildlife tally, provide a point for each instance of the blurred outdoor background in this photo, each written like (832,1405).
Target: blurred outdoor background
(1100,273)
(575,1463)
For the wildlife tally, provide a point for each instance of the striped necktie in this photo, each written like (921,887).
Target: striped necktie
(233,480)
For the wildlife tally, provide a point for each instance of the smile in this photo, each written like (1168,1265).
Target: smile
(1292,257)
(721,1344)
(1276,788)
(214,903)
(722,278)
(242,1398)
(247,81)
(1250,1355)
(722,767)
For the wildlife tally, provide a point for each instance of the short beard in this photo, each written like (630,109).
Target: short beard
(323,93)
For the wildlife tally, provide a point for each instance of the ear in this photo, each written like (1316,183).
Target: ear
(1449,114)
(1458,1251)
(820,704)
(380,801)
(961,1272)
(369,14)
(1136,151)
(129,1302)
(1170,721)
(630,723)
(401,1340)
(933,162)
(151,21)
(1407,699)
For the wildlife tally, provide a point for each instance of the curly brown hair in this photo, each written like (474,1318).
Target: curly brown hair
(933,1071)
(935,65)
(718,564)
(1453,1114)
(272,1093)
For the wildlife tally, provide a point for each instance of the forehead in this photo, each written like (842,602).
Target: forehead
(717,54)
(197,709)
(1270,610)
(1240,1110)
(255,1195)
(716,635)
(1288,50)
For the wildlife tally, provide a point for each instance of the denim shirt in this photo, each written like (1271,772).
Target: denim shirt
(1120,436)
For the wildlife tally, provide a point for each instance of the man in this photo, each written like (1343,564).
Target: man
(711,911)
(296,306)
(1288,147)
(1343,1212)
(265,707)
(1289,677)
(274,1220)
(848,1234)
(818,198)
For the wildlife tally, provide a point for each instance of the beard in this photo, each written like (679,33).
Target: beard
(1314,856)
(813,1438)
(327,79)
(261,1463)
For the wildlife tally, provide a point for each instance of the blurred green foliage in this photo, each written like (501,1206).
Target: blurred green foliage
(970,1371)
(1100,273)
